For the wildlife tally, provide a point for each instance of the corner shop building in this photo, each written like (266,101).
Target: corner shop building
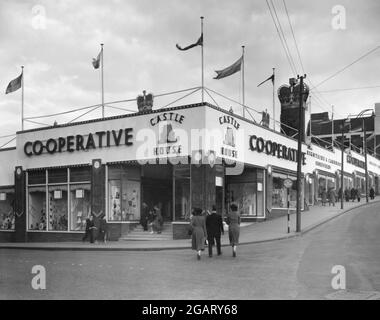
(178,158)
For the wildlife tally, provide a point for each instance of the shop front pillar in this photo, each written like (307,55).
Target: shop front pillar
(98,190)
(20,234)
(269,192)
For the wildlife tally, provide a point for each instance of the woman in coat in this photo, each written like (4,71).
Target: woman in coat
(233,221)
(324,196)
(158,220)
(199,232)
(332,197)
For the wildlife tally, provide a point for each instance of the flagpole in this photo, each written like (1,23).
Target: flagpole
(102,81)
(202,59)
(274,101)
(22,97)
(243,84)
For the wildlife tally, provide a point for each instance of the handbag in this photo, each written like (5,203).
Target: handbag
(190,231)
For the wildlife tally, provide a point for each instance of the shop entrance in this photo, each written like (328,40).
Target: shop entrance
(157,188)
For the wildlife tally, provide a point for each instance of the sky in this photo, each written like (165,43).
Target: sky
(56,41)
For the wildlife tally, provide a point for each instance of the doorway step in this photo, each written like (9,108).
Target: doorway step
(138,234)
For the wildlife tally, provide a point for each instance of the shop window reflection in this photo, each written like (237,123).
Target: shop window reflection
(182,192)
(37,208)
(123,194)
(80,205)
(58,208)
(7,216)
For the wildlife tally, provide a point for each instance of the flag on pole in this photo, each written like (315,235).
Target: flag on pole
(235,67)
(270,78)
(198,43)
(96,62)
(14,85)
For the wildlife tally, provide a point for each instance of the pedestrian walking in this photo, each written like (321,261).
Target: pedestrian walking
(199,231)
(103,230)
(144,216)
(90,227)
(323,196)
(214,226)
(372,193)
(158,219)
(358,195)
(340,194)
(332,197)
(353,194)
(347,194)
(233,221)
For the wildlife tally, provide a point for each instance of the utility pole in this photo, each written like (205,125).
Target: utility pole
(365,159)
(299,154)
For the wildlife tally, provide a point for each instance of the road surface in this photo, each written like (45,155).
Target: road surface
(297,268)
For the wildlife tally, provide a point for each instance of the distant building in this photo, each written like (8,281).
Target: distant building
(325,130)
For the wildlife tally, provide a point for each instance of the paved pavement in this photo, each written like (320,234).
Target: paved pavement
(265,231)
(294,268)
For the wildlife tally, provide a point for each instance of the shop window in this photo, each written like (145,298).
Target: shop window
(80,205)
(123,194)
(80,174)
(182,192)
(7,217)
(58,208)
(244,195)
(280,193)
(247,191)
(37,208)
(57,175)
(37,177)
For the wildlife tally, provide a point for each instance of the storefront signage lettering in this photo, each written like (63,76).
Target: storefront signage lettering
(355,162)
(229,141)
(167,116)
(167,150)
(78,142)
(323,165)
(229,120)
(259,144)
(323,158)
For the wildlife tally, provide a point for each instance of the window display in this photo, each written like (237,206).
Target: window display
(57,208)
(37,208)
(51,190)
(7,216)
(182,192)
(80,205)
(247,191)
(280,193)
(123,194)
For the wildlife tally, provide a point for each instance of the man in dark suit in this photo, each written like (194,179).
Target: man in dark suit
(214,226)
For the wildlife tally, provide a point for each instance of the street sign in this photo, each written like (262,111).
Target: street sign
(288,183)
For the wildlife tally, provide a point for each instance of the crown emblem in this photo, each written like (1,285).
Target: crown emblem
(145,102)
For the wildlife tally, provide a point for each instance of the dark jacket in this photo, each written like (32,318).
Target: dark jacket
(89,224)
(214,225)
